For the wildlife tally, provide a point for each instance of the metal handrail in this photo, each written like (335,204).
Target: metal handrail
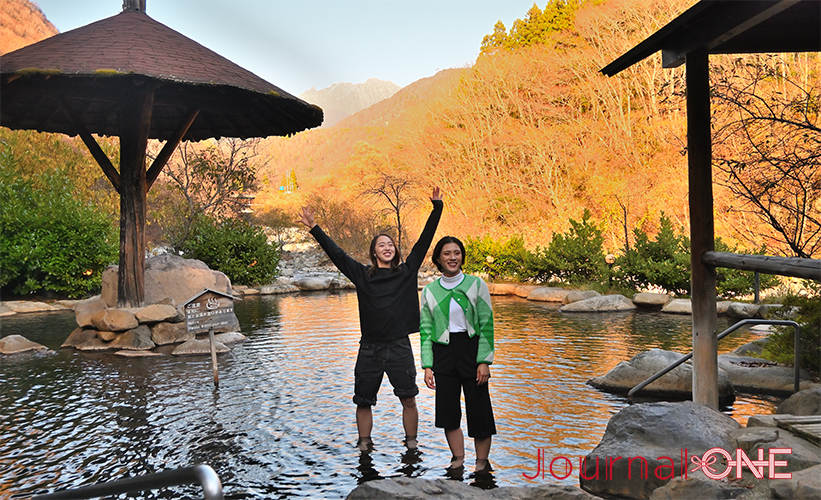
(200,474)
(723,334)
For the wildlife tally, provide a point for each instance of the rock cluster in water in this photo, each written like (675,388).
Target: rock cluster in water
(667,442)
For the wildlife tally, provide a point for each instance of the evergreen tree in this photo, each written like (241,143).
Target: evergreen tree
(493,42)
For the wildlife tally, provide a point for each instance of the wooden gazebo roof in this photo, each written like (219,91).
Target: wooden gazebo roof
(722,27)
(132,77)
(80,68)
(731,27)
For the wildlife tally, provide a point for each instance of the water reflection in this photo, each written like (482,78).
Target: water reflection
(281,424)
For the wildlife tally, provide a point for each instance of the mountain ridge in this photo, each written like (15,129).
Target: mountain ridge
(343,99)
(22,23)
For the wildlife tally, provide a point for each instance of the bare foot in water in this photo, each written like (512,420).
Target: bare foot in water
(364,444)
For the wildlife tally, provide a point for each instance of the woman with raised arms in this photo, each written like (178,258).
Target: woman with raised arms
(387,292)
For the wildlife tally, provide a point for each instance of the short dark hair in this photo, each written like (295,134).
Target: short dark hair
(437,250)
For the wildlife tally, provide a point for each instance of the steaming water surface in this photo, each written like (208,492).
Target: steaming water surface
(281,423)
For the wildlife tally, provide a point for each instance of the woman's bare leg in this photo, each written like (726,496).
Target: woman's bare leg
(482,452)
(456,442)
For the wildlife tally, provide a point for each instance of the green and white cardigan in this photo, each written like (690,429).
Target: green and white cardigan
(473,296)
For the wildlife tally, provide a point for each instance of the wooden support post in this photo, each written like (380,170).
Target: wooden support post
(214,357)
(134,122)
(702,232)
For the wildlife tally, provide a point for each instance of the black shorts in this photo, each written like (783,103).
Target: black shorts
(394,358)
(454,369)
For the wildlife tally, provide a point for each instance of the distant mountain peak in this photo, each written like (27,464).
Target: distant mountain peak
(340,100)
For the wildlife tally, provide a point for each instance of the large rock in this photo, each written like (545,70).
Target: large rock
(413,488)
(767,311)
(803,455)
(30,306)
(137,339)
(14,344)
(677,383)
(524,290)
(170,333)
(649,300)
(605,303)
(805,484)
(342,283)
(87,309)
(230,338)
(278,288)
(169,276)
(760,375)
(79,336)
(199,347)
(802,403)
(659,433)
(576,295)
(312,283)
(752,349)
(722,306)
(156,313)
(138,354)
(114,320)
(678,306)
(88,340)
(742,310)
(548,294)
(699,487)
(502,288)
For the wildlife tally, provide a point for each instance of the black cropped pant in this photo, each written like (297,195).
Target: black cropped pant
(454,370)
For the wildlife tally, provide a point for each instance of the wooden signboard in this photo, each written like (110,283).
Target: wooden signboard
(210,309)
(206,311)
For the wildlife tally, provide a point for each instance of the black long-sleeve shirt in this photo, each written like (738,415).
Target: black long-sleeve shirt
(388,300)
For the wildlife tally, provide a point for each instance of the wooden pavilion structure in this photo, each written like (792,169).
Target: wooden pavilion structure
(133,77)
(722,27)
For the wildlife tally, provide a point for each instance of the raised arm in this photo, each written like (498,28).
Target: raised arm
(351,268)
(417,255)
(306,216)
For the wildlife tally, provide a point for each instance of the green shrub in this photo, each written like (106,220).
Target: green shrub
(573,257)
(662,262)
(499,259)
(807,309)
(235,247)
(51,241)
(665,262)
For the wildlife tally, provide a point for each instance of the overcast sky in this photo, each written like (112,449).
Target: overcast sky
(299,44)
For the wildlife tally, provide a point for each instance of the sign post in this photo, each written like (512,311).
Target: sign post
(214,357)
(208,310)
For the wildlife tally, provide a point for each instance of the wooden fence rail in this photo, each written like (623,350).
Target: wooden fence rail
(767,264)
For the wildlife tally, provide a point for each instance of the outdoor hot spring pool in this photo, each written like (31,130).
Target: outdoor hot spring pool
(281,423)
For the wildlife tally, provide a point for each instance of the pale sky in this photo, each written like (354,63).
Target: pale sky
(299,44)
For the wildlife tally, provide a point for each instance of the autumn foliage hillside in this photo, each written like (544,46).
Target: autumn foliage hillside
(527,138)
(523,141)
(22,23)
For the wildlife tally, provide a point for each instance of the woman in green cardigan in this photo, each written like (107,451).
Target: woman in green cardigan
(457,350)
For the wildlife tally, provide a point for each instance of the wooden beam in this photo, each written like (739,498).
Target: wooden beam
(168,149)
(96,151)
(134,120)
(782,266)
(702,230)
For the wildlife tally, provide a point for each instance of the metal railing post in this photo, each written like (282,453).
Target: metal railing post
(200,474)
(743,322)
